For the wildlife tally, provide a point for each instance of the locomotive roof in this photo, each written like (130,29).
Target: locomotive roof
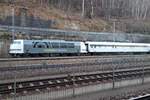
(46,40)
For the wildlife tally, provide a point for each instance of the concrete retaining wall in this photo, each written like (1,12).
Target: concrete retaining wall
(81,90)
(4,48)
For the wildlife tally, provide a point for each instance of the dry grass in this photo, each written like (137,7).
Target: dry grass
(62,19)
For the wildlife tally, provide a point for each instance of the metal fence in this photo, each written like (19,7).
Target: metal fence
(71,77)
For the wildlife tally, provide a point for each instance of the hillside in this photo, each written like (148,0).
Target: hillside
(54,18)
(68,16)
(127,16)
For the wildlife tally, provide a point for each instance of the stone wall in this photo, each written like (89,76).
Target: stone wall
(4,48)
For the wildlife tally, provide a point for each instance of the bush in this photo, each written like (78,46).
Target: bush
(5,36)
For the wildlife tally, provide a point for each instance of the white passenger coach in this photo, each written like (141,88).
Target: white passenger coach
(97,47)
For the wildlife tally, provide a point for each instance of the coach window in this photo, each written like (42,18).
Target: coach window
(92,46)
(114,46)
(99,46)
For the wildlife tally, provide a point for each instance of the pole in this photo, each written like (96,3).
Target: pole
(114,26)
(113,73)
(83,7)
(114,29)
(15,84)
(13,23)
(113,77)
(143,74)
(73,80)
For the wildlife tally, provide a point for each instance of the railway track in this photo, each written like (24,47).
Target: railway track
(73,80)
(80,60)
(95,63)
(71,57)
